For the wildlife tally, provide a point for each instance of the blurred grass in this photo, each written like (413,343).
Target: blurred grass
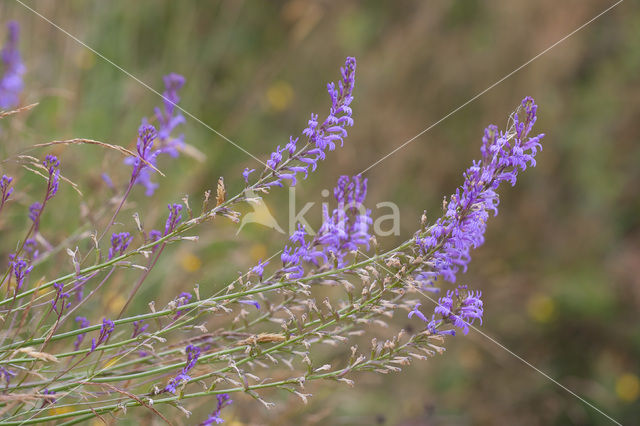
(560,267)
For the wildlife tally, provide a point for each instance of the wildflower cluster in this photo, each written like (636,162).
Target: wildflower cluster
(193,352)
(214,418)
(152,142)
(119,243)
(11,84)
(105,331)
(284,164)
(263,330)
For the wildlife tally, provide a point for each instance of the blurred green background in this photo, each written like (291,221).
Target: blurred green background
(560,270)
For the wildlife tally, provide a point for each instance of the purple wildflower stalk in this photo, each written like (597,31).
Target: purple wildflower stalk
(119,243)
(182,300)
(319,137)
(223,400)
(82,323)
(138,328)
(193,352)
(447,244)
(11,84)
(162,142)
(60,301)
(20,269)
(459,307)
(449,241)
(173,219)
(144,146)
(259,268)
(5,189)
(52,165)
(105,332)
(343,231)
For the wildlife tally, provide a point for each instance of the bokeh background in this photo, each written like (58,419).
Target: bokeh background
(560,270)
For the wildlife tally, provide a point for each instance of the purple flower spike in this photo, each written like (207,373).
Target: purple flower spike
(173,219)
(347,228)
(82,323)
(246,174)
(53,167)
(459,307)
(322,136)
(214,418)
(138,328)
(60,301)
(35,210)
(31,248)
(105,332)
(7,375)
(5,189)
(449,241)
(193,353)
(20,270)
(259,268)
(168,119)
(11,82)
(183,299)
(119,244)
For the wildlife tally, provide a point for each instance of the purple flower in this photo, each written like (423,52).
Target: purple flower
(168,119)
(432,324)
(183,299)
(119,243)
(107,180)
(18,266)
(11,82)
(347,228)
(48,400)
(320,137)
(416,312)
(173,219)
(459,307)
(259,268)
(31,248)
(82,323)
(301,251)
(246,173)
(35,210)
(146,135)
(105,332)
(60,301)
(250,302)
(138,328)
(449,241)
(53,167)
(223,400)
(193,352)
(5,189)
(7,375)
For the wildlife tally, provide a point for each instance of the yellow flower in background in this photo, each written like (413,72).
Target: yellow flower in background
(85,59)
(111,362)
(190,262)
(115,302)
(541,308)
(257,252)
(61,410)
(279,95)
(628,387)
